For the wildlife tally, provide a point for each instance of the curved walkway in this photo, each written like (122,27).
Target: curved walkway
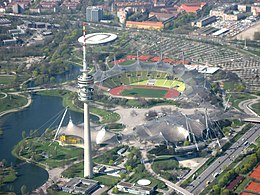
(29,101)
(5,95)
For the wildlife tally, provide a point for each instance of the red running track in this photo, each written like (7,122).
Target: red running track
(171,93)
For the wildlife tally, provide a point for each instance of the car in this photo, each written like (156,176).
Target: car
(207,182)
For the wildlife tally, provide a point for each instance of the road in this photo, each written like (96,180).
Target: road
(246,105)
(223,161)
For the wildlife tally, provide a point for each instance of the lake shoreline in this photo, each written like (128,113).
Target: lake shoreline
(29,102)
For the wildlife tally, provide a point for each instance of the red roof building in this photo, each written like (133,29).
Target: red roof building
(192,7)
(254,187)
(144,58)
(168,60)
(181,62)
(155,59)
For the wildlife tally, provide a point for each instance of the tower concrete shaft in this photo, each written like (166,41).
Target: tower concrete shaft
(88,166)
(85,83)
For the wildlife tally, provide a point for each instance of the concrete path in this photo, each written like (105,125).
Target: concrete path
(29,101)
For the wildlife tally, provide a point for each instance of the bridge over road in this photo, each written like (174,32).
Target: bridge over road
(252,120)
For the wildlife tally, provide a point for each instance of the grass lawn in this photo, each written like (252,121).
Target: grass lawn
(106,180)
(142,92)
(75,170)
(256,108)
(180,86)
(243,185)
(8,79)
(12,101)
(107,116)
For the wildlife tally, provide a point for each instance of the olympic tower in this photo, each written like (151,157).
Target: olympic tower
(85,83)
(86,90)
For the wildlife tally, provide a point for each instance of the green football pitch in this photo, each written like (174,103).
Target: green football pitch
(178,85)
(143,92)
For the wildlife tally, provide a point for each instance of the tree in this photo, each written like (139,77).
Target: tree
(23,134)
(111,162)
(216,189)
(258,154)
(115,190)
(225,192)
(129,168)
(122,174)
(24,189)
(186,143)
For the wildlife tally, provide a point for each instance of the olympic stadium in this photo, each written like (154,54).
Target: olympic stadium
(174,81)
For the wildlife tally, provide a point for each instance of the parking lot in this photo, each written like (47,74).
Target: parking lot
(197,51)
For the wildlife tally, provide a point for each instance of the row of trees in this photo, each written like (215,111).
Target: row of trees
(243,168)
(250,162)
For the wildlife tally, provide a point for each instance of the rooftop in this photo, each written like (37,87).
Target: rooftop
(97,38)
(192,7)
(146,23)
(80,185)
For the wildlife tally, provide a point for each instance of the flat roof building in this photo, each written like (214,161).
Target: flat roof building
(145,25)
(10,41)
(135,188)
(80,186)
(94,14)
(204,21)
